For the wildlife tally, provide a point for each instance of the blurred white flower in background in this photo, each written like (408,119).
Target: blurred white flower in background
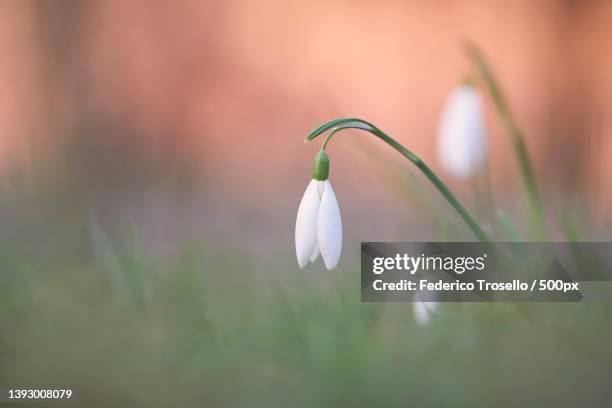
(423,311)
(462,138)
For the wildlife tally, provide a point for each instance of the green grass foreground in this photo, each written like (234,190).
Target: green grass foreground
(85,305)
(214,327)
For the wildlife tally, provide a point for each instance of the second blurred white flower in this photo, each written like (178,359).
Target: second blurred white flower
(423,311)
(462,137)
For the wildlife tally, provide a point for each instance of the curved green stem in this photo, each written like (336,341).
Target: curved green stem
(513,132)
(354,123)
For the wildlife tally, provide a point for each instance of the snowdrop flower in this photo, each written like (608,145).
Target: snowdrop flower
(423,311)
(462,139)
(318,227)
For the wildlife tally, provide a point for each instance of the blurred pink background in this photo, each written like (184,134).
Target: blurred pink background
(234,86)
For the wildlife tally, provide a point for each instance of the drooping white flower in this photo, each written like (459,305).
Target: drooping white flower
(423,311)
(318,226)
(462,136)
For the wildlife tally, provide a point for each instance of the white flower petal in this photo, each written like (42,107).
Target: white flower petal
(462,140)
(306,224)
(329,228)
(320,188)
(315,254)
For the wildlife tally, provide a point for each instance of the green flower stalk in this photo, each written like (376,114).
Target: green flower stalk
(514,133)
(337,125)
